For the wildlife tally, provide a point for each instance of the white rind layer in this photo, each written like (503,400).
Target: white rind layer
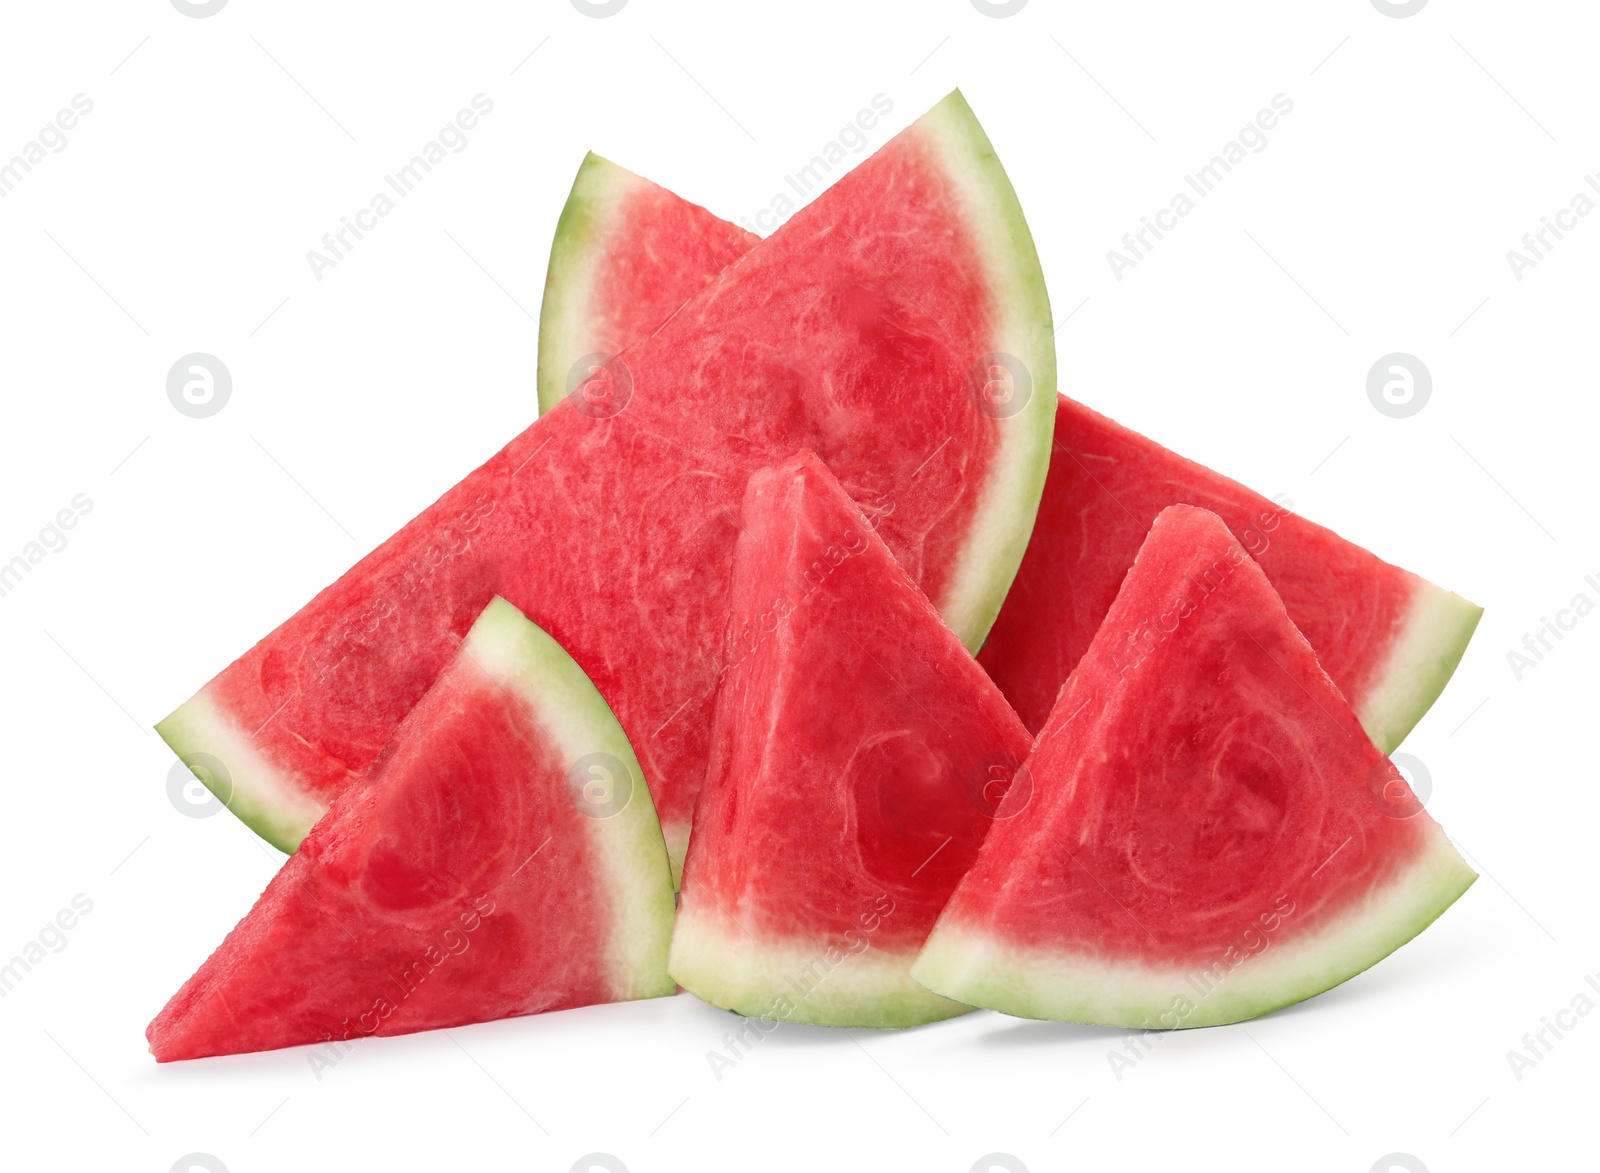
(1022,328)
(269,802)
(628,847)
(977,967)
(600,194)
(677,837)
(1429,647)
(798,981)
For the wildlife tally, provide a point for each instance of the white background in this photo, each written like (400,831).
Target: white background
(1377,219)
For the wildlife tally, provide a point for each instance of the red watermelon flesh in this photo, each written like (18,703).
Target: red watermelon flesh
(1389,639)
(500,858)
(1205,832)
(857,756)
(627,253)
(858,330)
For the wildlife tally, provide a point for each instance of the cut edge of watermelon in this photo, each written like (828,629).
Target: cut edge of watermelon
(713,960)
(1080,987)
(630,852)
(598,191)
(1434,638)
(254,790)
(1009,504)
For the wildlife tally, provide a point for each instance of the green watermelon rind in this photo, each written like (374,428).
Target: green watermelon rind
(1425,655)
(628,847)
(599,192)
(975,966)
(1004,520)
(252,789)
(728,967)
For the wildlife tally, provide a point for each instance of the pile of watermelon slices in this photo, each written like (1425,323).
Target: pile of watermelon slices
(812,653)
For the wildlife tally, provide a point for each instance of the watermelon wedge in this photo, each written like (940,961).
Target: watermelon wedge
(627,253)
(869,328)
(1389,639)
(857,756)
(501,857)
(1206,832)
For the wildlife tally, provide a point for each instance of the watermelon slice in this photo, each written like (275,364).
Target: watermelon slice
(1389,639)
(501,858)
(1206,833)
(869,328)
(627,253)
(858,754)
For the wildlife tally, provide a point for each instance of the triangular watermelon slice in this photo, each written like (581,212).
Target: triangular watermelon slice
(627,253)
(502,857)
(1389,639)
(1206,833)
(857,757)
(870,328)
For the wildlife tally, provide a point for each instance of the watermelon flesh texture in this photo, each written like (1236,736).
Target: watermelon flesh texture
(1206,833)
(501,858)
(627,254)
(857,756)
(1389,639)
(855,331)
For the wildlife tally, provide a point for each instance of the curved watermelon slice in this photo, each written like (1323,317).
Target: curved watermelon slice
(627,253)
(867,329)
(1207,833)
(1389,639)
(501,858)
(856,759)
